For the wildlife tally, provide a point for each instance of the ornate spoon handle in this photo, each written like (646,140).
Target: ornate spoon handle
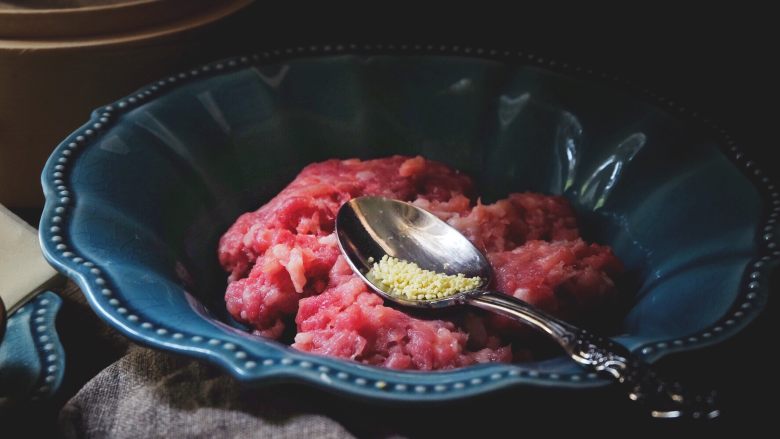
(663,399)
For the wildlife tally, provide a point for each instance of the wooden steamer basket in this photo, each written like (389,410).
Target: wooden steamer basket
(61,59)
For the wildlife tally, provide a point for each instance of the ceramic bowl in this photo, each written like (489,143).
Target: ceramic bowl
(137,198)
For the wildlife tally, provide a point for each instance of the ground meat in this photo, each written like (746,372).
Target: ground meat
(507,223)
(349,321)
(564,278)
(309,204)
(283,261)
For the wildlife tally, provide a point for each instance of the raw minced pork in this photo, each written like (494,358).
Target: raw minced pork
(284,263)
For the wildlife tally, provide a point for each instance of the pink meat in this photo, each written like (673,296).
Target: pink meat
(349,321)
(283,251)
(507,223)
(284,262)
(309,204)
(564,278)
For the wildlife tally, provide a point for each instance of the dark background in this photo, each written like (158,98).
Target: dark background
(720,66)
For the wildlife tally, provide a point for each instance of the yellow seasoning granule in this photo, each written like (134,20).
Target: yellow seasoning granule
(407,280)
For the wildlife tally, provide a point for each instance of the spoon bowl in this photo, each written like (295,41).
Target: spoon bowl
(368,228)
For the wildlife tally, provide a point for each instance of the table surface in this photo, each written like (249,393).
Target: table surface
(725,79)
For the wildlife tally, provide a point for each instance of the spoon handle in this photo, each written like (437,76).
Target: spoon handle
(604,356)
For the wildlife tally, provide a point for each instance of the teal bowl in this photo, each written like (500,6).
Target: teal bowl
(137,198)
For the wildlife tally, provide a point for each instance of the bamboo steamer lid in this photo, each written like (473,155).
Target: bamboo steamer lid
(61,59)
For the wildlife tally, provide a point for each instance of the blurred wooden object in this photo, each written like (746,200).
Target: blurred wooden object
(61,59)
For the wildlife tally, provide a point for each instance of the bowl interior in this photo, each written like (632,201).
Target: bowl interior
(156,190)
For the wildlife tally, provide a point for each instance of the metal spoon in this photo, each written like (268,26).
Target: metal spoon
(370,227)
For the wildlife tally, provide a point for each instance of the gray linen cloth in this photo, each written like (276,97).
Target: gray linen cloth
(150,394)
